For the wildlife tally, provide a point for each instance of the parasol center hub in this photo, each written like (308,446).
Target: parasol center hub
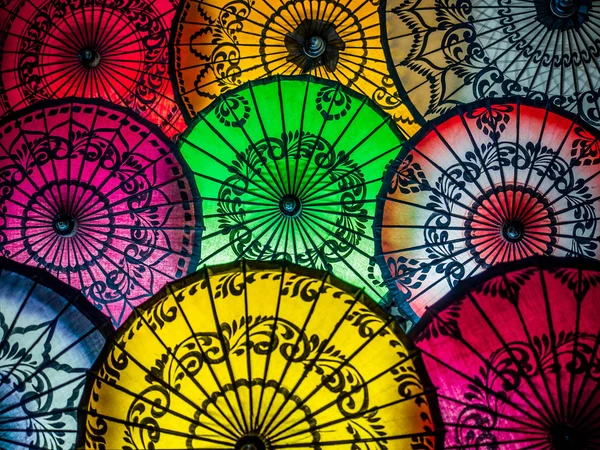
(315,47)
(565,437)
(251,442)
(513,231)
(290,205)
(563,8)
(89,57)
(64,225)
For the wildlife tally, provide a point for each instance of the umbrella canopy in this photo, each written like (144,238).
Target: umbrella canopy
(514,355)
(98,197)
(111,49)
(486,184)
(289,168)
(260,355)
(219,45)
(49,337)
(446,52)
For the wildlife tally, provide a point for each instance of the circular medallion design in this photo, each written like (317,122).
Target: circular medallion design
(257,356)
(50,336)
(289,168)
(218,47)
(91,48)
(55,230)
(269,157)
(99,198)
(508,223)
(514,355)
(448,52)
(484,185)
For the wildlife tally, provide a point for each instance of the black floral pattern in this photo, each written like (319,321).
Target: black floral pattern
(45,43)
(457,51)
(282,409)
(46,347)
(487,200)
(267,158)
(115,187)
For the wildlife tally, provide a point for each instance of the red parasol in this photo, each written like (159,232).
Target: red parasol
(111,49)
(98,197)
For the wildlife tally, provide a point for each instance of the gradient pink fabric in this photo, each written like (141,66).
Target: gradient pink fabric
(515,358)
(115,179)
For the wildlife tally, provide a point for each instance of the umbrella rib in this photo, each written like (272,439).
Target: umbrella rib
(309,367)
(424,208)
(150,107)
(549,416)
(280,184)
(15,319)
(255,426)
(280,435)
(167,386)
(277,230)
(103,39)
(578,416)
(373,409)
(53,24)
(570,405)
(376,25)
(529,426)
(142,425)
(466,170)
(258,193)
(508,401)
(541,28)
(111,49)
(247,19)
(226,353)
(197,66)
(560,410)
(248,347)
(265,426)
(273,426)
(166,409)
(197,89)
(235,151)
(543,443)
(302,183)
(283,125)
(268,217)
(451,178)
(294,187)
(36,396)
(362,440)
(313,191)
(553,160)
(501,212)
(237,427)
(90,235)
(21,444)
(17,387)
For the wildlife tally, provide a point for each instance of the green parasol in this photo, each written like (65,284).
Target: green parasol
(289,168)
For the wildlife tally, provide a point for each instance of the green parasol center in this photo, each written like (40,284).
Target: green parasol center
(250,442)
(565,437)
(64,225)
(315,47)
(513,231)
(290,205)
(89,58)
